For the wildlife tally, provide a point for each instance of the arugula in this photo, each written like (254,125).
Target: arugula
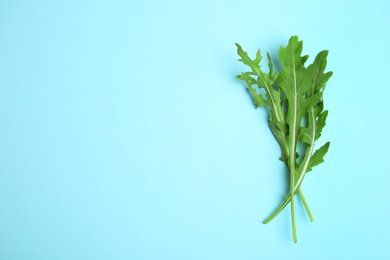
(294,98)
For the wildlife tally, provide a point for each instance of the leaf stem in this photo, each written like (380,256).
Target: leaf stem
(305,205)
(277,210)
(285,203)
(292,138)
(293,222)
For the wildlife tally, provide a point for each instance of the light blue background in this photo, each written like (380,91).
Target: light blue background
(124,134)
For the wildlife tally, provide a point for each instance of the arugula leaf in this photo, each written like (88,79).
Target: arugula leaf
(273,96)
(294,98)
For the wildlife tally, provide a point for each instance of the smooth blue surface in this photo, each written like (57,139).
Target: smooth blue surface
(124,134)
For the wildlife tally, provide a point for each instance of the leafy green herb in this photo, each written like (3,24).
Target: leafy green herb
(294,97)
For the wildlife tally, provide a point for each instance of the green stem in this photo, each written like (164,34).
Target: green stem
(294,229)
(285,203)
(305,205)
(278,210)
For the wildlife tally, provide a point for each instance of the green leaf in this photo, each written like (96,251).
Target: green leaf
(295,81)
(264,80)
(282,127)
(315,117)
(258,99)
(320,124)
(318,156)
(272,99)
(305,135)
(313,132)
(253,64)
(270,65)
(321,78)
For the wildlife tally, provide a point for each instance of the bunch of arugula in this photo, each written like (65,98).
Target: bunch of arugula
(294,97)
